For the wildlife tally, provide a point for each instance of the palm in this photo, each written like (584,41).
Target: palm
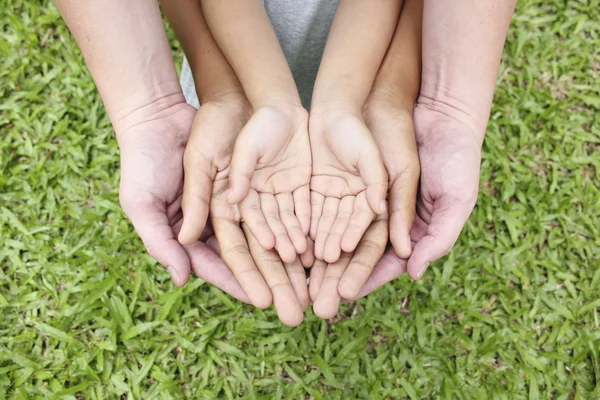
(286,165)
(348,178)
(151,194)
(336,148)
(450,160)
(269,178)
(152,173)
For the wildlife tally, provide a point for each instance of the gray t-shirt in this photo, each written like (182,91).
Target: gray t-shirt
(302,28)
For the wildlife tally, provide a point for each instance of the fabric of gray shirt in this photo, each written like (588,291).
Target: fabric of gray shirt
(302,28)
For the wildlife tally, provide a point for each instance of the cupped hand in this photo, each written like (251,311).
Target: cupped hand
(151,191)
(348,184)
(269,178)
(392,127)
(208,166)
(450,157)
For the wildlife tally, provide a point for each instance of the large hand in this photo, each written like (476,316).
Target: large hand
(349,182)
(450,155)
(208,159)
(269,178)
(150,194)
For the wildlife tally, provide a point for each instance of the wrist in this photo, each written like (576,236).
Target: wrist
(231,98)
(330,107)
(440,101)
(389,96)
(158,101)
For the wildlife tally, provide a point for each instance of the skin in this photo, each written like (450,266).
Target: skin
(140,90)
(271,162)
(208,161)
(349,181)
(462,48)
(388,115)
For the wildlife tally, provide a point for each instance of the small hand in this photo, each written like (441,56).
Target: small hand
(269,178)
(208,158)
(150,194)
(450,156)
(349,182)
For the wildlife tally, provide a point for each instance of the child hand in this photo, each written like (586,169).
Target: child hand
(349,182)
(392,126)
(207,165)
(269,178)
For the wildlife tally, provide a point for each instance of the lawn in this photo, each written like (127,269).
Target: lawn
(511,313)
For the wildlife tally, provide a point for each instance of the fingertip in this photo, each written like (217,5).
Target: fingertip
(292,319)
(348,289)
(401,244)
(187,236)
(266,240)
(349,244)
(179,275)
(238,189)
(326,309)
(262,301)
(332,255)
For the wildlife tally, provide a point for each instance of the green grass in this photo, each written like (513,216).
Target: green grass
(511,313)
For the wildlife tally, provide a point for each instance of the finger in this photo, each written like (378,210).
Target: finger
(373,173)
(308,257)
(152,225)
(333,244)
(235,254)
(285,201)
(317,273)
(448,218)
(317,201)
(197,190)
(369,251)
(283,244)
(302,207)
(243,163)
(330,210)
(284,298)
(297,275)
(402,204)
(207,264)
(359,222)
(253,216)
(328,299)
(386,270)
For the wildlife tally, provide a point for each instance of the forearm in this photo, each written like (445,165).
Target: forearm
(399,78)
(462,48)
(244,34)
(213,76)
(357,42)
(126,50)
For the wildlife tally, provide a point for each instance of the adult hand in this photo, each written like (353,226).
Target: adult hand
(450,156)
(151,191)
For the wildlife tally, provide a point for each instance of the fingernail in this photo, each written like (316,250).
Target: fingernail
(382,206)
(422,270)
(174,275)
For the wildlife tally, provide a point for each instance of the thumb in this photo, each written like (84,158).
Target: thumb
(403,195)
(245,156)
(197,190)
(373,173)
(152,225)
(448,218)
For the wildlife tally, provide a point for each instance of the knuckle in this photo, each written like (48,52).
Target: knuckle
(235,251)
(372,246)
